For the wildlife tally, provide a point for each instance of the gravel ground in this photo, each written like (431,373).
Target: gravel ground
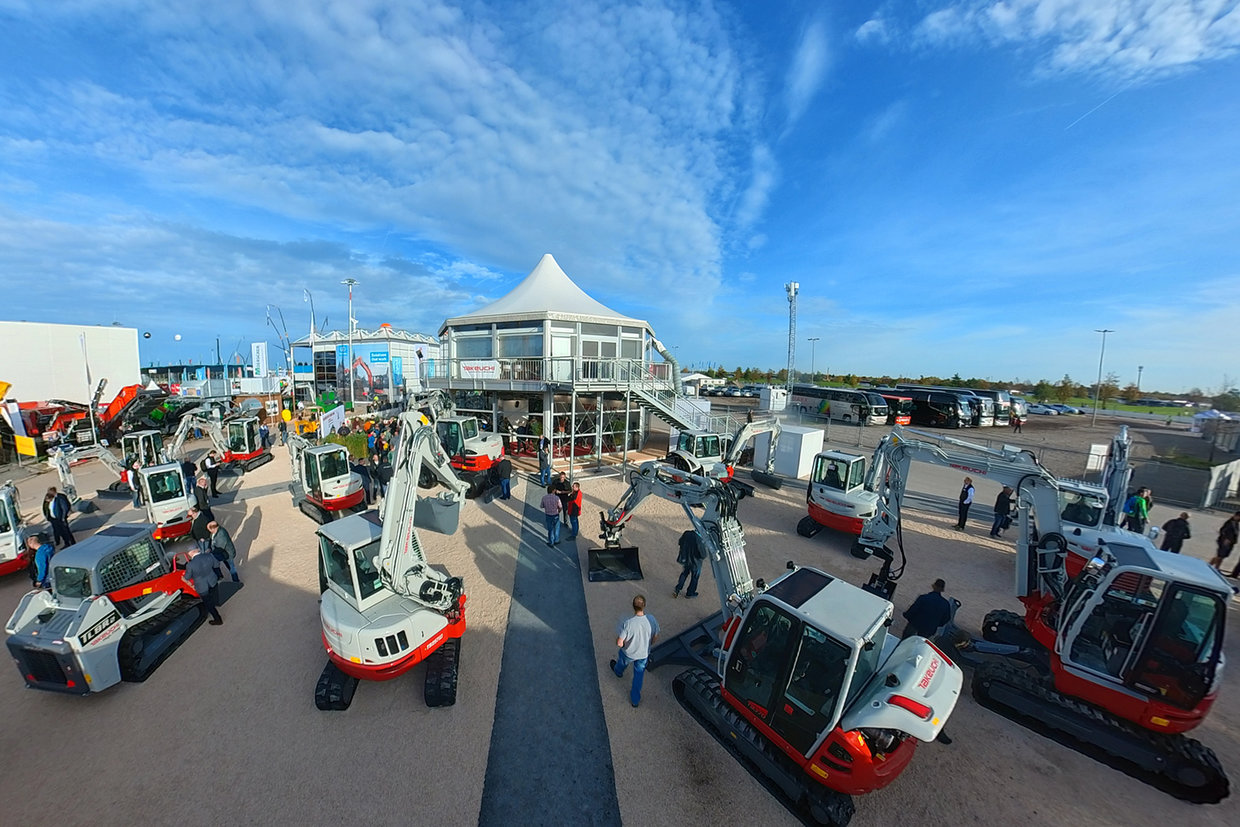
(226,731)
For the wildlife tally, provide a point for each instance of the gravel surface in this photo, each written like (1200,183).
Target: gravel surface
(226,730)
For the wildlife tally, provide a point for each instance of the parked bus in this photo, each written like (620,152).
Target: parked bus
(899,408)
(982,409)
(1002,401)
(936,409)
(844,404)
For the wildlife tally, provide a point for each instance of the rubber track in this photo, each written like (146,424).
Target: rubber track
(151,628)
(1173,751)
(1002,626)
(442,667)
(334,691)
(838,807)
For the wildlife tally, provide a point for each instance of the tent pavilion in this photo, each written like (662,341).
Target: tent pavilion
(549,359)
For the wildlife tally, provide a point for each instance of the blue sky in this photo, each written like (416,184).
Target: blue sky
(962,186)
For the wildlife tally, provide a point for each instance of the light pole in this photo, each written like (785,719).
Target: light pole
(349,358)
(307,296)
(792,289)
(813,345)
(1140,368)
(1098,387)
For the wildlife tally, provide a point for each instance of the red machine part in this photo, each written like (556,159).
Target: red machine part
(387,671)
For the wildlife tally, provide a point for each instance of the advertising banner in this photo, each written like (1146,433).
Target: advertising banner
(331,421)
(479,369)
(258,358)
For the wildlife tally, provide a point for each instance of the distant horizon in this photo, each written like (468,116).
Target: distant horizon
(955,184)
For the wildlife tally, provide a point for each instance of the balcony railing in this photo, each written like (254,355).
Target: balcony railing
(554,369)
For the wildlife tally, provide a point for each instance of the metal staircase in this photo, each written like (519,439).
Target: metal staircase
(660,397)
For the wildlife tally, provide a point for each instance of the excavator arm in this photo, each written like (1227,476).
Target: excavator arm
(1040,568)
(716,524)
(431,405)
(403,567)
(196,419)
(748,432)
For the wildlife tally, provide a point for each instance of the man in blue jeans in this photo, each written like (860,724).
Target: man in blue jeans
(634,637)
(551,512)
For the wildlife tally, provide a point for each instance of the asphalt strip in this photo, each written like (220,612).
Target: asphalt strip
(550,755)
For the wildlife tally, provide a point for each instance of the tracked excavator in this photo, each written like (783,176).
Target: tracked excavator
(472,453)
(118,607)
(1126,656)
(165,494)
(384,609)
(323,487)
(14,556)
(147,446)
(236,439)
(799,678)
(716,455)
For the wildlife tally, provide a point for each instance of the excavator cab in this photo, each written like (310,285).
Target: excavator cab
(838,470)
(12,535)
(700,452)
(1148,627)
(167,499)
(147,446)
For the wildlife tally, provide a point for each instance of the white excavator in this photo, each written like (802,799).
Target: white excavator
(236,439)
(146,446)
(472,452)
(384,609)
(801,677)
(1127,655)
(323,487)
(14,556)
(165,494)
(706,453)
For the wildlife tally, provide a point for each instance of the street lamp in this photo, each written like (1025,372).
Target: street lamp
(813,345)
(1098,387)
(307,296)
(1140,368)
(349,358)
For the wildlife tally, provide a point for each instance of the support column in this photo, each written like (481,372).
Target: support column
(628,401)
(572,433)
(598,430)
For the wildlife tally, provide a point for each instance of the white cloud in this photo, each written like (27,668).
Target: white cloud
(1124,38)
(765,175)
(873,30)
(808,69)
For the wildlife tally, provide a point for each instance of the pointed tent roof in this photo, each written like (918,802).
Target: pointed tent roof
(546,293)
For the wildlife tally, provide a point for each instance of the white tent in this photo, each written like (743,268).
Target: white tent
(1202,421)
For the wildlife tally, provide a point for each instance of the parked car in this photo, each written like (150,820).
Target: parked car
(732,390)
(1065,409)
(752,391)
(1043,410)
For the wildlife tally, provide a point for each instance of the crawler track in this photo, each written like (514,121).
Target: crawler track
(1175,764)
(442,667)
(145,646)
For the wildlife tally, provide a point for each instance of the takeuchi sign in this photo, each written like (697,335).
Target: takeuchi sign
(480,369)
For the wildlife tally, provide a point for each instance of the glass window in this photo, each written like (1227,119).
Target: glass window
(759,658)
(236,437)
(470,428)
(473,347)
(630,349)
(710,446)
(368,581)
(1081,508)
(523,346)
(856,473)
(335,464)
(165,486)
(71,581)
(818,674)
(6,521)
(336,564)
(684,442)
(588,329)
(1117,622)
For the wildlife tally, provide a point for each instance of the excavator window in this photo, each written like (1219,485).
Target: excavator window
(72,581)
(1117,623)
(1182,650)
(333,465)
(368,581)
(760,659)
(450,437)
(336,563)
(6,523)
(166,485)
(708,446)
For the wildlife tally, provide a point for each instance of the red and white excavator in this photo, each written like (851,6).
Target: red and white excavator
(716,455)
(323,487)
(805,682)
(165,494)
(384,609)
(1127,654)
(236,439)
(472,452)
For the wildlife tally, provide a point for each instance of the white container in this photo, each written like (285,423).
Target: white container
(794,456)
(773,399)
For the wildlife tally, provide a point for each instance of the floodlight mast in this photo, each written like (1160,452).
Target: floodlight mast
(792,289)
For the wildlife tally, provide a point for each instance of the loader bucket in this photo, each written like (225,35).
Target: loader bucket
(609,565)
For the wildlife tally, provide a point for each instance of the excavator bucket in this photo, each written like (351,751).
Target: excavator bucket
(613,564)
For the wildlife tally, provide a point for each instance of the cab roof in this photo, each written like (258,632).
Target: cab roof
(1178,567)
(86,553)
(846,612)
(353,531)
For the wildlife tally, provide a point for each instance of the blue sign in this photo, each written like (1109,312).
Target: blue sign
(378,357)
(398,372)
(342,353)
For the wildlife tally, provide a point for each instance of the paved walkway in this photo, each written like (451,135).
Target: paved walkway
(550,757)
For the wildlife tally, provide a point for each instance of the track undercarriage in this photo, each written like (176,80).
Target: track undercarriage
(335,689)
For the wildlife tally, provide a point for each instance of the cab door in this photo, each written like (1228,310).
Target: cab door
(310,464)
(1179,657)
(761,655)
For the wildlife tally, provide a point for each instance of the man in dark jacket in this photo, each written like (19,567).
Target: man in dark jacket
(1175,532)
(928,612)
(1003,506)
(211,466)
(362,470)
(690,558)
(201,577)
(198,528)
(202,498)
(57,509)
(966,500)
(504,470)
(223,549)
(564,490)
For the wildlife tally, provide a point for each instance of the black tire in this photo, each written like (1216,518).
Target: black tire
(829,808)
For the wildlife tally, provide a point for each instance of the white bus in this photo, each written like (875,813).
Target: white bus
(844,404)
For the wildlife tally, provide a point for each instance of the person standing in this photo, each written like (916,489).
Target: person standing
(223,549)
(378,476)
(690,558)
(264,436)
(1228,533)
(198,528)
(202,498)
(1136,512)
(363,471)
(135,483)
(966,500)
(201,577)
(1175,532)
(504,469)
(551,512)
(544,463)
(282,427)
(1003,507)
(1016,422)
(211,465)
(564,491)
(574,510)
(190,472)
(57,510)
(928,612)
(634,638)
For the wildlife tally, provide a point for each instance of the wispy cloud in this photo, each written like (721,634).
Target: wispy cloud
(808,69)
(873,30)
(1120,38)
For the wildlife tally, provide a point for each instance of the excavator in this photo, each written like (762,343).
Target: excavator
(716,455)
(14,556)
(146,445)
(384,609)
(1127,655)
(165,494)
(800,678)
(118,607)
(236,439)
(323,487)
(472,453)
